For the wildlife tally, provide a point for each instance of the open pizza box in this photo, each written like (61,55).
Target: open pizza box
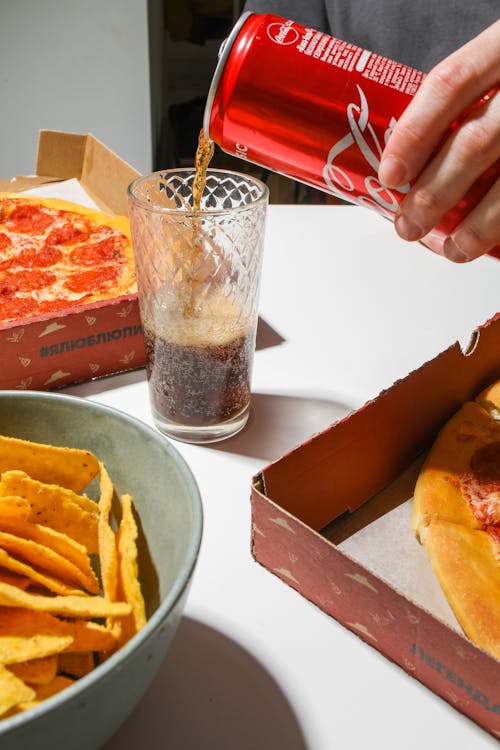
(87,341)
(332,519)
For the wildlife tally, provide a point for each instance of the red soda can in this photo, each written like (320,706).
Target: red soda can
(318,109)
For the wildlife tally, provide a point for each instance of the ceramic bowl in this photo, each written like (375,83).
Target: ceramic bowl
(141,462)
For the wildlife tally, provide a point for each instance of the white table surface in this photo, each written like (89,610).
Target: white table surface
(346,308)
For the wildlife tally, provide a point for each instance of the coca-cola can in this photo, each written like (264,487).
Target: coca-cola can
(317,109)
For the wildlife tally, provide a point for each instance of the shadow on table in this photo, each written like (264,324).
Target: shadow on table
(266,336)
(109,383)
(210,693)
(278,423)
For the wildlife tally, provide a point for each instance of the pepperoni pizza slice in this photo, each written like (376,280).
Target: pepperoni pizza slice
(490,399)
(56,254)
(456,516)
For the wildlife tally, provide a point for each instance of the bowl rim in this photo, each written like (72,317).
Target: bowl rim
(178,588)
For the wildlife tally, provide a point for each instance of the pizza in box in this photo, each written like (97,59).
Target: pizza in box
(56,254)
(456,516)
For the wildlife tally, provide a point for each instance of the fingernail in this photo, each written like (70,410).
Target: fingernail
(452,251)
(407,229)
(392,171)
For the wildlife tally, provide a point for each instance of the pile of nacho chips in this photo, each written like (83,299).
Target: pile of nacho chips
(69,588)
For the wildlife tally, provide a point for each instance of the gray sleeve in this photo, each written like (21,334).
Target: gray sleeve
(417,34)
(307,12)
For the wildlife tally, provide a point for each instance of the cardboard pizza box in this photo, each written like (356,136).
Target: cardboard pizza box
(86,341)
(332,519)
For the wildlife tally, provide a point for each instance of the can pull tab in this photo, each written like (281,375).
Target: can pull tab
(222,47)
(234,33)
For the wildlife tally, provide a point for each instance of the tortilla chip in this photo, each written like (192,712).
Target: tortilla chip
(108,552)
(69,606)
(42,692)
(90,636)
(13,691)
(36,671)
(15,648)
(37,576)
(70,467)
(129,570)
(86,636)
(14,579)
(43,557)
(56,507)
(47,533)
(26,622)
(13,508)
(47,691)
(60,543)
(75,663)
(107,539)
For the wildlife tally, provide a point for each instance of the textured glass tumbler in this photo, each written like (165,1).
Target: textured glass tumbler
(198,277)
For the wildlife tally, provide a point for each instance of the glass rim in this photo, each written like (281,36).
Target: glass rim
(262,198)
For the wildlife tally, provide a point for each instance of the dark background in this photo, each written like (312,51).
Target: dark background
(194,31)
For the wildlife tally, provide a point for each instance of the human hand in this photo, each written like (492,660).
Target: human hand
(444,170)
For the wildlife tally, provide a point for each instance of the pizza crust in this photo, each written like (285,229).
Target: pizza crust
(456,516)
(438,489)
(465,564)
(490,400)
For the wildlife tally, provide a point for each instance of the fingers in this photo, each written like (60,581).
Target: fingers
(467,154)
(477,234)
(444,170)
(479,231)
(450,88)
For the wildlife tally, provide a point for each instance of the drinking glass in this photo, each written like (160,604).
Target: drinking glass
(198,278)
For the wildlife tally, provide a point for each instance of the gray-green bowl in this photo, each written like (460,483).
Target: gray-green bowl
(144,464)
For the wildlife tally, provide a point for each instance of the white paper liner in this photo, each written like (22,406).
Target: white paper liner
(69,190)
(388,548)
